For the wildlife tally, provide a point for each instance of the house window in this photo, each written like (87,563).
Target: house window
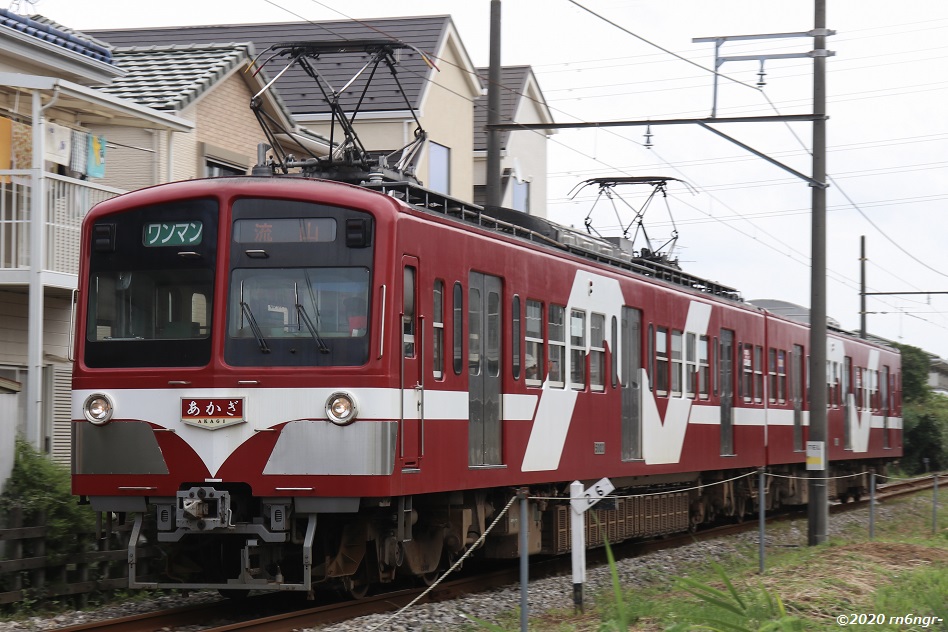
(521,196)
(439,168)
(215,169)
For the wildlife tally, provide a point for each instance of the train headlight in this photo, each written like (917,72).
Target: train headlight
(341,408)
(98,409)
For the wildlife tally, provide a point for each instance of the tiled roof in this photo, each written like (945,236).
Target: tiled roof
(47,30)
(298,90)
(513,80)
(170,77)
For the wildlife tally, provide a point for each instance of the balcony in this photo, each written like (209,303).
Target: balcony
(67,201)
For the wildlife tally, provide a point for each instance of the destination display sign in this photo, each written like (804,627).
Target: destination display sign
(160,234)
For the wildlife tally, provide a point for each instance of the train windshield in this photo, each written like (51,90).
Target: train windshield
(151,286)
(299,288)
(298,316)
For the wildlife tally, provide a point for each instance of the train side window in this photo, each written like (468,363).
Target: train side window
(781,376)
(704,368)
(515,335)
(597,352)
(650,358)
(758,374)
(714,363)
(458,328)
(437,323)
(661,361)
(493,334)
(614,352)
(772,375)
(747,371)
(408,313)
(534,343)
(676,358)
(474,327)
(847,380)
(577,355)
(691,365)
(556,331)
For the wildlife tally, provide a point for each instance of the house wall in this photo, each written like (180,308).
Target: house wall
(448,112)
(225,121)
(14,310)
(132,158)
(526,154)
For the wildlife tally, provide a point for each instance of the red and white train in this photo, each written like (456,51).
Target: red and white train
(293,383)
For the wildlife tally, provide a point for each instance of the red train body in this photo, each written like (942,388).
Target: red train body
(292,382)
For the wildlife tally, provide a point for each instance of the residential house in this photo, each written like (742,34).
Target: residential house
(441,94)
(158,113)
(47,110)
(523,153)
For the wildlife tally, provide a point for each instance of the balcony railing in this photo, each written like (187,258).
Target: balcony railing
(67,202)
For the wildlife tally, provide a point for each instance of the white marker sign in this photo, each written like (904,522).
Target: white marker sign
(593,495)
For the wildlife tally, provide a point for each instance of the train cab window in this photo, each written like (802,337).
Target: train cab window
(704,368)
(408,313)
(676,358)
(758,374)
(534,343)
(457,325)
(556,331)
(597,352)
(515,335)
(691,365)
(661,362)
(577,354)
(437,324)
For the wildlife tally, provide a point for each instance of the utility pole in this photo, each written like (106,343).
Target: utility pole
(862,287)
(493,110)
(818,506)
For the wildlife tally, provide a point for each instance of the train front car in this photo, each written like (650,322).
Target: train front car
(227,358)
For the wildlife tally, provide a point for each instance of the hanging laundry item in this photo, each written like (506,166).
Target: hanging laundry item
(6,143)
(95,166)
(58,143)
(79,156)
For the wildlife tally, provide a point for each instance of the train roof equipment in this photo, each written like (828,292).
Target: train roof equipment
(393,173)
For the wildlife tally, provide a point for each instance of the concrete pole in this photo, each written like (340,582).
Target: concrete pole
(862,287)
(34,337)
(818,510)
(494,197)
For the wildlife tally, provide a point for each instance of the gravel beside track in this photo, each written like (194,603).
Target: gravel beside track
(545,594)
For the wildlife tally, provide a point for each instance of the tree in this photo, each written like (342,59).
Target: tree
(915,366)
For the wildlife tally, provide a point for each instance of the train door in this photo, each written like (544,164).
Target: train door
(884,408)
(796,395)
(484,362)
(412,377)
(726,379)
(631,384)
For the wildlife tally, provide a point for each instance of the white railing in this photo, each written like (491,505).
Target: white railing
(67,201)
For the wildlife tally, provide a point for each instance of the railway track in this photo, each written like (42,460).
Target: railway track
(285,613)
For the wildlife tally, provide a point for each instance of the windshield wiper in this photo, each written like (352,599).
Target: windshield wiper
(254,327)
(304,317)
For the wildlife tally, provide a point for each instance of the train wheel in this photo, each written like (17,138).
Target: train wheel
(234,593)
(354,590)
(427,579)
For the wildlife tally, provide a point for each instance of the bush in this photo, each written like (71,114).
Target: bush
(41,490)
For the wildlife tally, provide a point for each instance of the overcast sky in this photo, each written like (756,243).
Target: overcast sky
(747,222)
